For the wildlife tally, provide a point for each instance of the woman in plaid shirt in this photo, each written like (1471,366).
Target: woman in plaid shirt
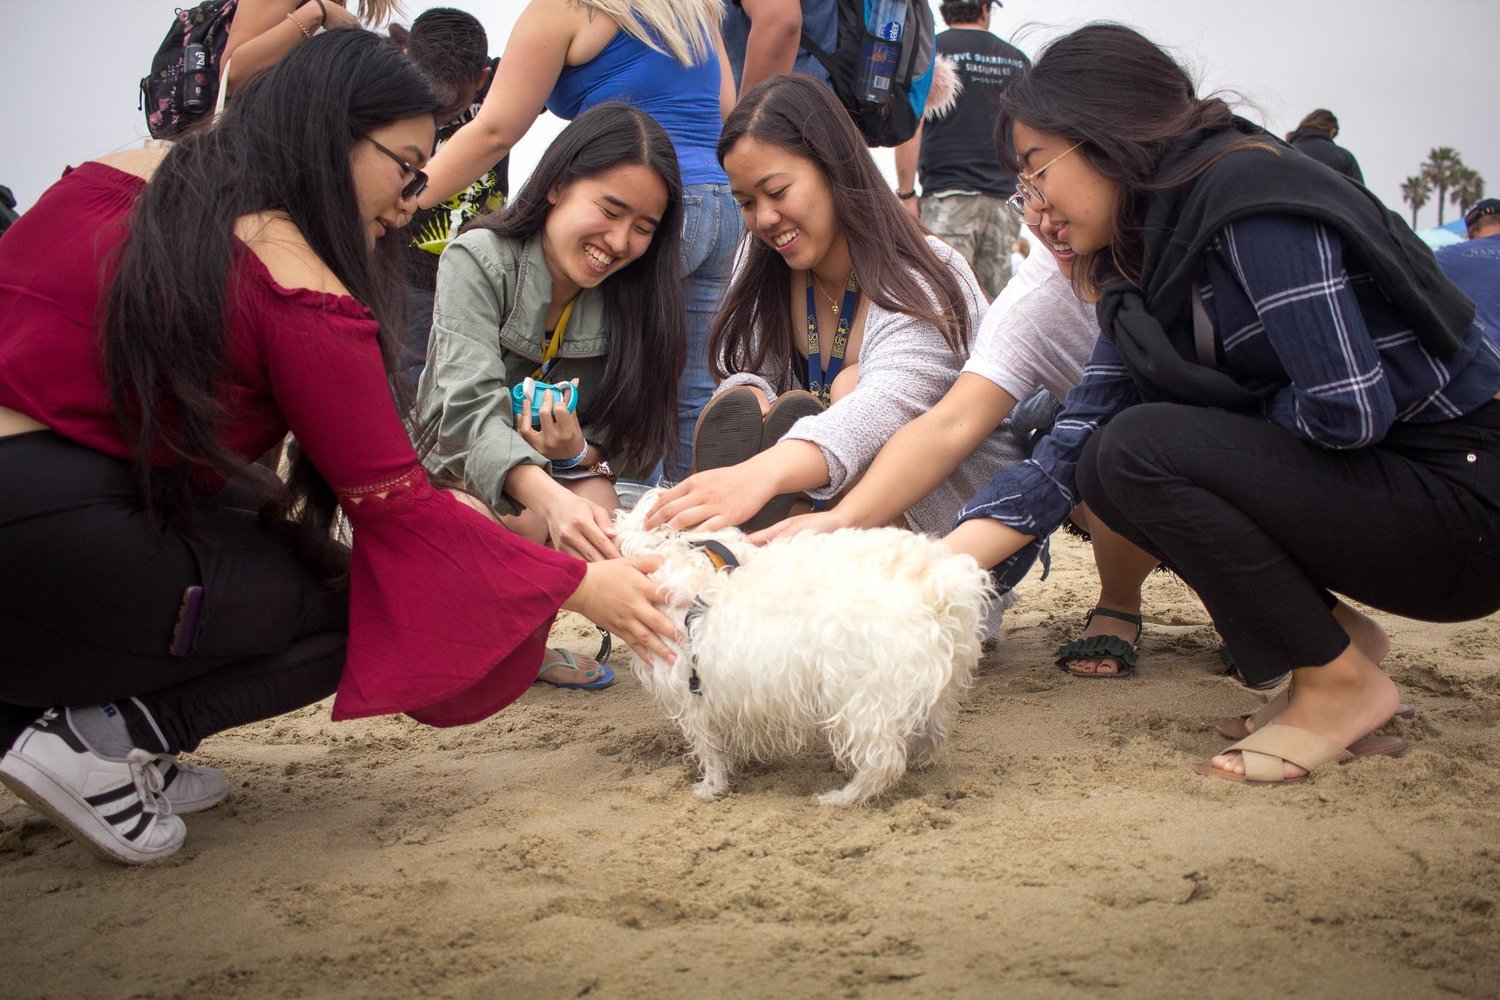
(1288,401)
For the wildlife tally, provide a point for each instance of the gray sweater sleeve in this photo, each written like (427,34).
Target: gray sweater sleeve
(904,368)
(463,393)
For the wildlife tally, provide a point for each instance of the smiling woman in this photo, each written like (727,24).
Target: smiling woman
(158,585)
(844,322)
(575,282)
(1269,333)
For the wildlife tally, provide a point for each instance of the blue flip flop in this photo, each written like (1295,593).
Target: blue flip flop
(605,679)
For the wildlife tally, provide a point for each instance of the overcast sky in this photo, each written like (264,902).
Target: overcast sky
(1402,77)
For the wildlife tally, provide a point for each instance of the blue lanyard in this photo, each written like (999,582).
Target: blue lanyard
(819,379)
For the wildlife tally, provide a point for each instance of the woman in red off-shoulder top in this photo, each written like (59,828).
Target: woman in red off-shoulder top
(154,339)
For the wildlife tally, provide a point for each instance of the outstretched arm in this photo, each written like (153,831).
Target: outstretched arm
(261,33)
(775,36)
(915,460)
(533,60)
(721,498)
(907,155)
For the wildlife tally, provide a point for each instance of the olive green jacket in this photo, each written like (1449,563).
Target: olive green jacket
(488,333)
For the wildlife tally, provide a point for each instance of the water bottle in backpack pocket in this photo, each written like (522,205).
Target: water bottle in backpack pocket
(884,23)
(184,79)
(881,67)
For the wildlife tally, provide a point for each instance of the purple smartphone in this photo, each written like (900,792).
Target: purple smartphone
(189,620)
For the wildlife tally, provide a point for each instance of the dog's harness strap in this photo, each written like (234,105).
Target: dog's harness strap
(717,553)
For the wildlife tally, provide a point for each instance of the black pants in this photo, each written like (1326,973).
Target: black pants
(1263,525)
(90,593)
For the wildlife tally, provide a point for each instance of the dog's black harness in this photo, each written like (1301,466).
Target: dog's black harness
(724,561)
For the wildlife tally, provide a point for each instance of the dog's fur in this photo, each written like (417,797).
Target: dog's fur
(869,637)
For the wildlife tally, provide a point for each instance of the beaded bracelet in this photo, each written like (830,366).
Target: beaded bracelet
(292,16)
(568,463)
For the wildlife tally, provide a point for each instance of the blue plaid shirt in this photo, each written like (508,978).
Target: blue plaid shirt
(1267,280)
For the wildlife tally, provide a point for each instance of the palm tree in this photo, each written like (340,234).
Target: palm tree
(1468,190)
(1415,191)
(1442,171)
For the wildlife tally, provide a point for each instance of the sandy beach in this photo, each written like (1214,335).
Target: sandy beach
(1063,849)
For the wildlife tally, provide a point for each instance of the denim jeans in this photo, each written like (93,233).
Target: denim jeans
(414,345)
(711,230)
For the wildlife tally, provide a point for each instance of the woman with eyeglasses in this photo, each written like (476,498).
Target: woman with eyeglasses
(1288,401)
(166,318)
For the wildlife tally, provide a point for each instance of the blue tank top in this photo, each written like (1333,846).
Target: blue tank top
(684,99)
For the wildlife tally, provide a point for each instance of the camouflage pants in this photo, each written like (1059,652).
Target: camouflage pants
(980,227)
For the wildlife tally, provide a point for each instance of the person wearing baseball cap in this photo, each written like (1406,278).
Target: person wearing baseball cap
(1483,219)
(1474,265)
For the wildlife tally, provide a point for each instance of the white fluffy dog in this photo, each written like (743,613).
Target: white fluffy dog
(868,637)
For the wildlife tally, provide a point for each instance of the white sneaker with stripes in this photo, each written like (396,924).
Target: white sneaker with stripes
(114,807)
(190,788)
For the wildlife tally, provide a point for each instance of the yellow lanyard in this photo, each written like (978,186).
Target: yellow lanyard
(557,338)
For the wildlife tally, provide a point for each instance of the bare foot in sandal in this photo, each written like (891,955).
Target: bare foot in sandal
(1367,635)
(565,669)
(1083,658)
(1341,701)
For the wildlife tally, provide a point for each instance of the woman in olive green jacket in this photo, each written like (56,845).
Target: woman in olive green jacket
(575,282)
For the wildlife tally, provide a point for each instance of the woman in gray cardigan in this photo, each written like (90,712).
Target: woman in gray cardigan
(542,292)
(839,300)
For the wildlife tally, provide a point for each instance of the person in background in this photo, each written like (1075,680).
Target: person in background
(1474,265)
(664,57)
(764,38)
(451,49)
(964,185)
(156,586)
(1020,249)
(1314,137)
(263,31)
(8,213)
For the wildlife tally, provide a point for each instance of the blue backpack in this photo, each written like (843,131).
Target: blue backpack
(893,119)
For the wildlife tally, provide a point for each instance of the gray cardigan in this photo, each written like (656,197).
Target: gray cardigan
(488,333)
(904,368)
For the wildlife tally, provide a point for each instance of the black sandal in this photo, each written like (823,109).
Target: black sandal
(1097,647)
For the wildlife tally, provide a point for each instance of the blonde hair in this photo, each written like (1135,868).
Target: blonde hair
(685,27)
(373,13)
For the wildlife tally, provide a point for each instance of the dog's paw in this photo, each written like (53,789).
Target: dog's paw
(841,798)
(708,790)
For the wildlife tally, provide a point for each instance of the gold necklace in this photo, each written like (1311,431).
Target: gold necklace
(833,303)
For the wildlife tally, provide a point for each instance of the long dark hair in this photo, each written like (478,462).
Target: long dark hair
(892,261)
(1128,103)
(637,396)
(283,145)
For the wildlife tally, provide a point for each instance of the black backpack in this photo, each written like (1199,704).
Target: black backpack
(176,94)
(893,122)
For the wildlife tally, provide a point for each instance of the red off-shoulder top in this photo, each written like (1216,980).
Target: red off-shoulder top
(448,611)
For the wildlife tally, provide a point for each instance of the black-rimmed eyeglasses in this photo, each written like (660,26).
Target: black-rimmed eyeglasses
(418,182)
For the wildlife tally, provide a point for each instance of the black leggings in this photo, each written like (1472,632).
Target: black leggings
(90,594)
(1263,525)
